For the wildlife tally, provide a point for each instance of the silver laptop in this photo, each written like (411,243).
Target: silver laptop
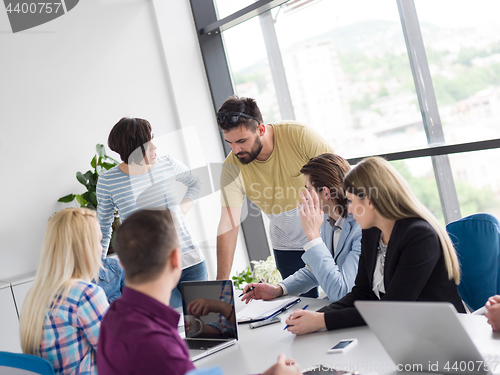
(209,316)
(424,336)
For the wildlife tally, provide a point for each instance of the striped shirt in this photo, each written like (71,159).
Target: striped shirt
(223,326)
(71,331)
(161,187)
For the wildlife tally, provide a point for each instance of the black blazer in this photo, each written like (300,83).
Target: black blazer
(414,270)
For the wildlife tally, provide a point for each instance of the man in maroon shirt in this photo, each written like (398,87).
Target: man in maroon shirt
(139,332)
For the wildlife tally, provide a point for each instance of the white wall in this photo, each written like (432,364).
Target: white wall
(63,85)
(9,323)
(195,114)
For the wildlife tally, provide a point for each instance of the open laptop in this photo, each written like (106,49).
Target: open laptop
(209,316)
(424,336)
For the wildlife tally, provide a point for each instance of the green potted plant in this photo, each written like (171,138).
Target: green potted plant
(242,278)
(99,163)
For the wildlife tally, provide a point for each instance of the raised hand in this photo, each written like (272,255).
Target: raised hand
(311,214)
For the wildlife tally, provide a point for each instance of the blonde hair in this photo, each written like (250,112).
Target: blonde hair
(393,199)
(70,252)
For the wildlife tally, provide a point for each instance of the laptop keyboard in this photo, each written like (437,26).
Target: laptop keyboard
(202,344)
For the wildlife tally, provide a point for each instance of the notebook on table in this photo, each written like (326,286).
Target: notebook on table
(214,326)
(426,336)
(258,310)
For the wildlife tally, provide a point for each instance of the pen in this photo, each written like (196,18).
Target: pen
(305,307)
(249,289)
(283,309)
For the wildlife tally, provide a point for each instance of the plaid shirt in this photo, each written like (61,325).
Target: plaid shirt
(222,325)
(71,332)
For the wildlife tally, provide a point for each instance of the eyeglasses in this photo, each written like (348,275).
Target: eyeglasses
(233,117)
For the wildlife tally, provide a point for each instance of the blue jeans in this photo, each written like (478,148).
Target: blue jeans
(111,278)
(289,261)
(198,272)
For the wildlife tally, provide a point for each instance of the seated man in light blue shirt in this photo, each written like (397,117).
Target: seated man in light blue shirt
(332,253)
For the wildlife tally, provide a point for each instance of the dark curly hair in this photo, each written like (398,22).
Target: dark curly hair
(129,135)
(247,106)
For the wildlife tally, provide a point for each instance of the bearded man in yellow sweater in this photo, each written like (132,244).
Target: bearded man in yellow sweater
(264,165)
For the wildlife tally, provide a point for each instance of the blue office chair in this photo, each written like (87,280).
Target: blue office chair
(477,241)
(206,371)
(30,363)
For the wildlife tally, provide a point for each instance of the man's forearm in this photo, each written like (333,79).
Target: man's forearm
(226,245)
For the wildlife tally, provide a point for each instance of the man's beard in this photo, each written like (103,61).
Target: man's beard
(252,154)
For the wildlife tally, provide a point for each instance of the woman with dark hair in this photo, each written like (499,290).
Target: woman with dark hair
(145,180)
(406,254)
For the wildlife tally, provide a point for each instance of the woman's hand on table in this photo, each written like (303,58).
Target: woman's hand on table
(301,322)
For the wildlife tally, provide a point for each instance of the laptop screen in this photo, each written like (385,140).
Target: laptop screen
(208,308)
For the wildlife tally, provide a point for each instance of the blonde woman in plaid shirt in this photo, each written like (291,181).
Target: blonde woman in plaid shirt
(62,313)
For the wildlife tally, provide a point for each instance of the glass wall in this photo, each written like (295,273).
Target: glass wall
(225,8)
(347,71)
(349,76)
(477,181)
(249,67)
(419,174)
(462,42)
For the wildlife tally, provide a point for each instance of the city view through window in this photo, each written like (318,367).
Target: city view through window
(349,78)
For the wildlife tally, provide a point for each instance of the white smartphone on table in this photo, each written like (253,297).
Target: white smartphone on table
(343,346)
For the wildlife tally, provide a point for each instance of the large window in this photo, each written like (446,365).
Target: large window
(462,42)
(476,182)
(347,72)
(249,67)
(408,80)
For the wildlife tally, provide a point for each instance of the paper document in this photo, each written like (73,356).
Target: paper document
(258,309)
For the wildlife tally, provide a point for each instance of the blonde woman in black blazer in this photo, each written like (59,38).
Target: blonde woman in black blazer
(406,255)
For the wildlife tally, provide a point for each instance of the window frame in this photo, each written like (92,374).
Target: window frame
(209,34)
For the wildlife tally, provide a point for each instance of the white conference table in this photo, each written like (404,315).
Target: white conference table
(258,349)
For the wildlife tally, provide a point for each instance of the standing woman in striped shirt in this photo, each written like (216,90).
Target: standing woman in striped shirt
(62,313)
(146,181)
